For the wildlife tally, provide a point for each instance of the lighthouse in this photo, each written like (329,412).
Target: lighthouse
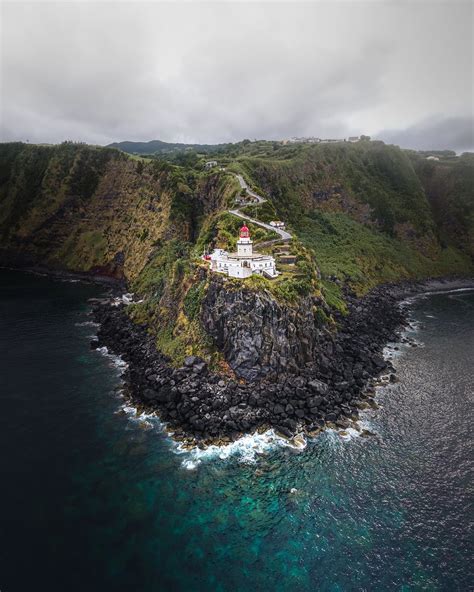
(244,262)
(244,244)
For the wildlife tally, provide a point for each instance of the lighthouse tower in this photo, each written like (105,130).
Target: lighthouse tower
(244,244)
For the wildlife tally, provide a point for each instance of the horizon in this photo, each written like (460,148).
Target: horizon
(254,140)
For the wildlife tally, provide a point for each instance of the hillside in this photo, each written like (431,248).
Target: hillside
(157,147)
(96,210)
(366,212)
(449,187)
(360,214)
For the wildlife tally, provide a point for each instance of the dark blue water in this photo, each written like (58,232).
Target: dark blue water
(90,500)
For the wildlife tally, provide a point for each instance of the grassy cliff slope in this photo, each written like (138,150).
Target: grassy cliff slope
(362,214)
(97,210)
(366,212)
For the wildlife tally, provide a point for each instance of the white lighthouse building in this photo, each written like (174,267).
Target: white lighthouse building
(245,262)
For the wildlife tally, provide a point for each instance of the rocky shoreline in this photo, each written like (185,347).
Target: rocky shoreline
(201,407)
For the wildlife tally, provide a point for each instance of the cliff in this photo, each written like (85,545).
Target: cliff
(449,187)
(360,215)
(258,335)
(96,210)
(369,212)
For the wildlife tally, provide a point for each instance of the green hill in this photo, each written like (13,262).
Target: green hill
(366,211)
(360,213)
(157,147)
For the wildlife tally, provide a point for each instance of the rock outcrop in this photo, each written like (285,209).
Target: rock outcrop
(319,383)
(258,335)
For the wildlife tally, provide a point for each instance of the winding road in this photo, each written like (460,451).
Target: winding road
(283,233)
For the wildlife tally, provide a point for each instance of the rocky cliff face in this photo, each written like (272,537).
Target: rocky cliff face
(258,335)
(359,215)
(202,405)
(94,210)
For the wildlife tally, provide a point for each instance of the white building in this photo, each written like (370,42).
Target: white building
(303,140)
(210,164)
(277,224)
(245,262)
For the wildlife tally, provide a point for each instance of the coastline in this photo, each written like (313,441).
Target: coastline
(61,274)
(201,408)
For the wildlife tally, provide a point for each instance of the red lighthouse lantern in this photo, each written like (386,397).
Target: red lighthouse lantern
(244,232)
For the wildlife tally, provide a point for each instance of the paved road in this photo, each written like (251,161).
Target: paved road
(283,233)
(244,185)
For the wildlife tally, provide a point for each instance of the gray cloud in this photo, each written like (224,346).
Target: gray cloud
(437,133)
(101,72)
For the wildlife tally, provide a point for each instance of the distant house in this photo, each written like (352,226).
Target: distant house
(432,158)
(353,139)
(210,164)
(277,224)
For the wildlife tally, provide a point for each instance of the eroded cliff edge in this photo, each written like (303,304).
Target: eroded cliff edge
(215,357)
(282,383)
(260,336)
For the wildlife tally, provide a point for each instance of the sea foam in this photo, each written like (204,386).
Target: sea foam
(116,360)
(246,450)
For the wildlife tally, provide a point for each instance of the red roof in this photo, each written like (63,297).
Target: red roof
(244,232)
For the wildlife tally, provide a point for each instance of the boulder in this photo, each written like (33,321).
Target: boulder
(318,386)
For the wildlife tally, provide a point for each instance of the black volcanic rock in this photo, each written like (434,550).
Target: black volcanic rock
(323,382)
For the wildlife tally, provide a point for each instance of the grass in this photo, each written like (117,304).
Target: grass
(262,211)
(84,251)
(365,257)
(222,231)
(359,213)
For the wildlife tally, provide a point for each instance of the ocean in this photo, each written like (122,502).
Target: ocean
(93,498)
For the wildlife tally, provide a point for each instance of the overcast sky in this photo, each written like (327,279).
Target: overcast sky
(218,72)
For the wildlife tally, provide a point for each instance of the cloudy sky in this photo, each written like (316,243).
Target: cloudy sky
(215,72)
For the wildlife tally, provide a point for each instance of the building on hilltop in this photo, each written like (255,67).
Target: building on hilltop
(244,262)
(303,140)
(313,140)
(210,164)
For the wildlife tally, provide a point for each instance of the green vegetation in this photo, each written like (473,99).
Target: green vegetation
(366,212)
(360,214)
(29,173)
(449,186)
(84,251)
(261,211)
(222,231)
(157,147)
(349,251)
(193,300)
(368,172)
(167,262)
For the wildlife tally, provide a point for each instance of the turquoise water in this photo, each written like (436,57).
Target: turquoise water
(91,500)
